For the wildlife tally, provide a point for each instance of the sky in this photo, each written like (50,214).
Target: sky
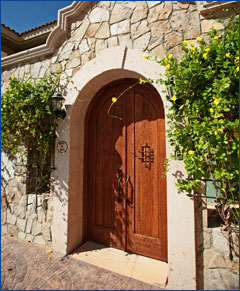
(24,15)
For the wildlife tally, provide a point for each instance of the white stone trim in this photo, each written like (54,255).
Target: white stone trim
(54,37)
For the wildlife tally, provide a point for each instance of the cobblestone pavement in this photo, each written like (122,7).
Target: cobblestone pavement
(25,266)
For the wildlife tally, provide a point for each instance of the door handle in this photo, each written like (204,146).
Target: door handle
(126,189)
(120,175)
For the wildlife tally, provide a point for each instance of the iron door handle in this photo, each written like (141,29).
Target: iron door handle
(126,189)
(120,175)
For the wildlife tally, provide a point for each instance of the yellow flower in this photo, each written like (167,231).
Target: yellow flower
(228,55)
(185,42)
(193,48)
(216,101)
(141,81)
(174,82)
(216,37)
(49,258)
(170,56)
(15,139)
(168,66)
(237,69)
(199,38)
(12,77)
(173,98)
(237,58)
(227,86)
(191,43)
(48,252)
(211,110)
(114,99)
(4,106)
(207,49)
(163,73)
(144,57)
(11,95)
(190,153)
(205,55)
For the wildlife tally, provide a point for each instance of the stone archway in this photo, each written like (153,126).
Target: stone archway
(110,65)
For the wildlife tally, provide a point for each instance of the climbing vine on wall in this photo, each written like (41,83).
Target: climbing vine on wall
(204,116)
(27,120)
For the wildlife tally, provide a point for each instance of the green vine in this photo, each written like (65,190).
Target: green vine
(204,116)
(27,120)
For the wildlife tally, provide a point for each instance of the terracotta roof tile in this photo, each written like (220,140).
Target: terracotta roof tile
(32,29)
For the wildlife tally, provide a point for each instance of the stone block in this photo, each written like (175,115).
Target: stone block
(11,218)
(40,215)
(99,15)
(3,217)
(213,259)
(125,40)
(29,226)
(159,28)
(81,31)
(29,237)
(46,232)
(142,42)
(92,29)
(139,28)
(101,44)
(36,228)
(49,217)
(35,69)
(207,238)
(173,39)
(112,41)
(21,235)
(83,47)
(103,31)
(159,12)
(219,240)
(208,24)
(140,12)
(66,51)
(39,239)
(23,201)
(4,229)
(151,4)
(120,27)
(21,224)
(20,211)
(13,230)
(120,12)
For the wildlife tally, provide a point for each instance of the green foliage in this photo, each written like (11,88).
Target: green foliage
(203,118)
(27,119)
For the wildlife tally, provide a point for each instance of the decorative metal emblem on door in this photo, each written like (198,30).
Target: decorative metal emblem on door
(147,156)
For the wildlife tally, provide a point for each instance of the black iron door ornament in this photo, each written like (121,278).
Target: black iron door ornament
(147,156)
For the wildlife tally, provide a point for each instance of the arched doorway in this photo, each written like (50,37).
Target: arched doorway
(125,185)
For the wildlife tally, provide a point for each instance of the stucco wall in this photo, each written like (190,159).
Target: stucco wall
(144,27)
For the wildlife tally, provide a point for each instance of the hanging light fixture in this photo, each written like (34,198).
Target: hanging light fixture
(57,103)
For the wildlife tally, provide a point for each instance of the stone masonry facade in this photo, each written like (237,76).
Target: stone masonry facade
(153,27)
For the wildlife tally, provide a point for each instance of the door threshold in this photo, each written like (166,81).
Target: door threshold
(138,267)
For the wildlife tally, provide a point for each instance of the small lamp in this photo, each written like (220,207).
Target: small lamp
(57,103)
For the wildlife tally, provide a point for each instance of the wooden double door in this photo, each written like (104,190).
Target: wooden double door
(125,182)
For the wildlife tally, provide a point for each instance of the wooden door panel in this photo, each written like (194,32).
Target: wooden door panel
(146,212)
(106,218)
(146,185)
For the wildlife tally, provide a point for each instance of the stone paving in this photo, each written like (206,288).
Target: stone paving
(28,266)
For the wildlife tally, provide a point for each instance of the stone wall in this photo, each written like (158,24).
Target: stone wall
(220,273)
(150,27)
(215,270)
(19,215)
